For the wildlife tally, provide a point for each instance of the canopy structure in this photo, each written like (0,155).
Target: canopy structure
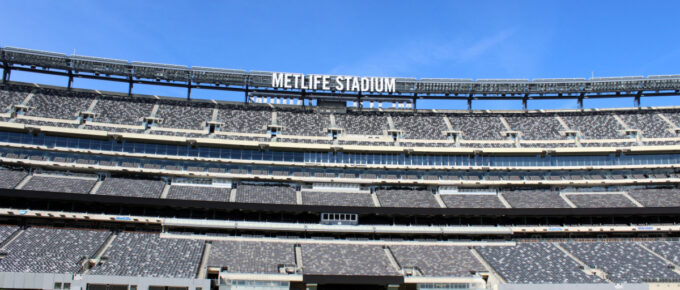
(259,83)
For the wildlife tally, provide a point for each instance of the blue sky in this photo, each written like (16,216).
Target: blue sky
(422,39)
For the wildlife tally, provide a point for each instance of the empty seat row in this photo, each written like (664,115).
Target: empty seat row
(180,114)
(149,255)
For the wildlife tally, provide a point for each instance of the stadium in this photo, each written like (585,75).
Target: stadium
(331,182)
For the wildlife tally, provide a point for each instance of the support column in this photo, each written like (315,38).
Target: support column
(189,80)
(130,87)
(70,80)
(303,96)
(298,197)
(6,72)
(232,195)
(415,97)
(247,90)
(636,101)
(359,104)
(469,101)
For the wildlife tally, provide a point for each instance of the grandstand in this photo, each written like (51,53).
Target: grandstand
(295,189)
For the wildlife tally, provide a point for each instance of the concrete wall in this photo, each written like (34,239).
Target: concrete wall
(78,282)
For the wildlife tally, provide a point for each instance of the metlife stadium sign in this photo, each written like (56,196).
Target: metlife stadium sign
(334,83)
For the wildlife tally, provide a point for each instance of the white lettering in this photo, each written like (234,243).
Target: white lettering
(286,83)
(325,82)
(364,84)
(341,83)
(302,83)
(390,85)
(277,80)
(296,78)
(355,84)
(380,85)
(338,84)
(317,81)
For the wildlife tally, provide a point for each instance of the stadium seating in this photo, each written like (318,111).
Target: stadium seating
(303,123)
(488,145)
(649,123)
(48,123)
(114,129)
(662,197)
(534,199)
(594,125)
(308,141)
(345,259)
(171,133)
(265,194)
(198,193)
(243,193)
(13,95)
(536,127)
(534,263)
(364,143)
(47,250)
(60,184)
(622,261)
(420,126)
(58,104)
(131,187)
(670,250)
(243,119)
(11,178)
(336,198)
(547,145)
(122,110)
(6,231)
(179,114)
(58,250)
(148,255)
(251,257)
(406,198)
(438,261)
(609,144)
(426,144)
(363,124)
(478,127)
(600,200)
(471,200)
(672,116)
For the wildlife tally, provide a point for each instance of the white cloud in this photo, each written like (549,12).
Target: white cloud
(405,59)
(485,44)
